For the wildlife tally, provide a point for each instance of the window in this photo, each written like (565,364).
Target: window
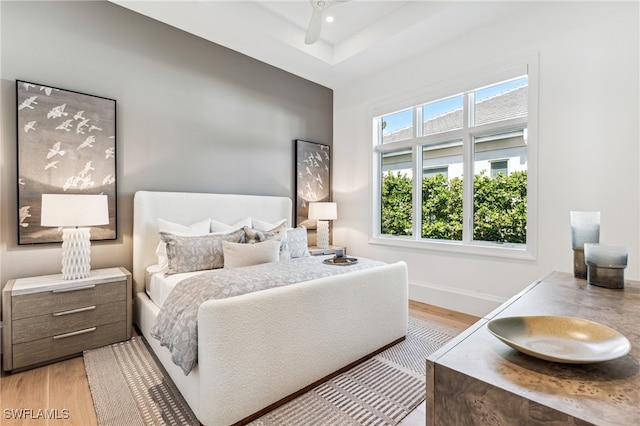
(432,171)
(397,196)
(499,166)
(454,173)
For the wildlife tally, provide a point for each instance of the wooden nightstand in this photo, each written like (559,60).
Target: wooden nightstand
(315,251)
(47,318)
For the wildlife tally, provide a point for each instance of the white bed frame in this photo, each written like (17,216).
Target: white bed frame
(259,350)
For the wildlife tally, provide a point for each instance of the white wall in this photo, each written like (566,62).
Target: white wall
(588,144)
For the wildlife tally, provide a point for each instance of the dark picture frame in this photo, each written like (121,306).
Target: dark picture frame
(313,174)
(66,144)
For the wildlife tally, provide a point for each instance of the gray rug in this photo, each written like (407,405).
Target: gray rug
(129,387)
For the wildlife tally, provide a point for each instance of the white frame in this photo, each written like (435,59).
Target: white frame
(527,65)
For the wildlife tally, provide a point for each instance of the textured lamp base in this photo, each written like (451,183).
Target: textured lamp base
(323,234)
(76,253)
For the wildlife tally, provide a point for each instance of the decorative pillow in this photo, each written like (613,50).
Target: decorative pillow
(297,242)
(197,253)
(238,254)
(219,227)
(257,236)
(261,225)
(278,233)
(198,228)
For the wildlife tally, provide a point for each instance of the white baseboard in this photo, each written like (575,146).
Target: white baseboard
(455,299)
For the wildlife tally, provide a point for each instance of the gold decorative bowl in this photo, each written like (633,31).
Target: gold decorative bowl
(560,339)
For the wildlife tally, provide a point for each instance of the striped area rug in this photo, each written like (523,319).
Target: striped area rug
(129,387)
(379,391)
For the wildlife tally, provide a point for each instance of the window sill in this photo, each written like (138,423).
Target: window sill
(509,251)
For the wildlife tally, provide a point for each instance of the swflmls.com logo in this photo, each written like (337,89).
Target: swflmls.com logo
(39,414)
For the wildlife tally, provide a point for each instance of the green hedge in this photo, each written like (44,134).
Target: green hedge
(500,207)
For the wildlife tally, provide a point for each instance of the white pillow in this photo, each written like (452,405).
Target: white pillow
(261,225)
(220,227)
(198,228)
(297,242)
(239,254)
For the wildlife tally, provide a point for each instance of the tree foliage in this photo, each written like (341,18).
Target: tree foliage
(500,207)
(442,208)
(397,207)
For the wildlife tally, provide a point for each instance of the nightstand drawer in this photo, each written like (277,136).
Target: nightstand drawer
(60,322)
(61,345)
(36,304)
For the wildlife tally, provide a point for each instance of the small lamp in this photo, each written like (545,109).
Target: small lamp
(323,212)
(74,213)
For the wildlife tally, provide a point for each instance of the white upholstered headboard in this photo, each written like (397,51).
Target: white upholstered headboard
(187,208)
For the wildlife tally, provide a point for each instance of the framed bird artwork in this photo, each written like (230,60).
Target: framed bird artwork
(313,172)
(66,144)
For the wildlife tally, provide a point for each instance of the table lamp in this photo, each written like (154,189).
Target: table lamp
(75,213)
(323,212)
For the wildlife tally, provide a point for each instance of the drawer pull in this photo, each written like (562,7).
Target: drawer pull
(74,333)
(74,311)
(67,290)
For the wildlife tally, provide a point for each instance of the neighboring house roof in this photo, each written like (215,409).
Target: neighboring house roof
(512,103)
(505,105)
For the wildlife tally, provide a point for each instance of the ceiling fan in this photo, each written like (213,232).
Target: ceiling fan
(315,25)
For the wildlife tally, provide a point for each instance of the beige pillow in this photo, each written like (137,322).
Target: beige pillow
(238,254)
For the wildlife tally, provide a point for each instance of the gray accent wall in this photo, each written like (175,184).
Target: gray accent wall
(191,115)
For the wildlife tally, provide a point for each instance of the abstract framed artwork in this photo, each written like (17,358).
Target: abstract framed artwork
(313,171)
(66,145)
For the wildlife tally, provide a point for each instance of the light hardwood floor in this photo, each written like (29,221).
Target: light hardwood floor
(61,391)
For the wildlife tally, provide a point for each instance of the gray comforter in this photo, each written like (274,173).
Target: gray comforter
(176,325)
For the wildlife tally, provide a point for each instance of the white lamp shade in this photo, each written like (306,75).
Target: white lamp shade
(74,210)
(323,211)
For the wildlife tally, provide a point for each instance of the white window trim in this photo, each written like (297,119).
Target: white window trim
(526,65)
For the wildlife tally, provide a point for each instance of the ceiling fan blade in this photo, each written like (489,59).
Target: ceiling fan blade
(315,26)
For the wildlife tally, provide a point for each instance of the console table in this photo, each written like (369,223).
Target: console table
(476,379)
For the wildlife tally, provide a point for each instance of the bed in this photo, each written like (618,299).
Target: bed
(258,350)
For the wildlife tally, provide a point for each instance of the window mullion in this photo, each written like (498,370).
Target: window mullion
(417,173)
(394,146)
(500,126)
(467,188)
(417,192)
